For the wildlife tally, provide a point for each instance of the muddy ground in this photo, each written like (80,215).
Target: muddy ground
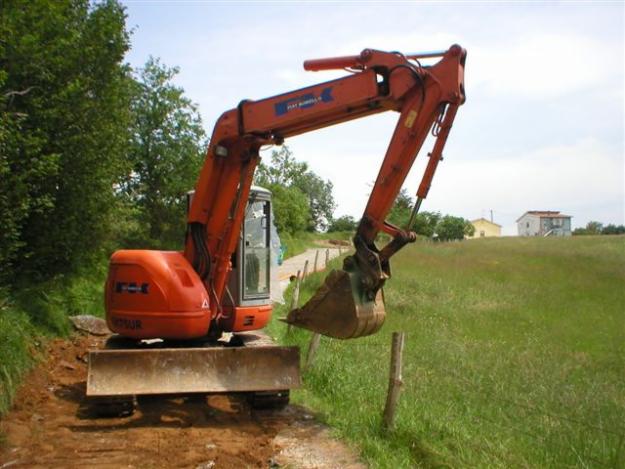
(51,426)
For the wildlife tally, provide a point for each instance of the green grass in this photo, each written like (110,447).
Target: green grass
(514,357)
(29,315)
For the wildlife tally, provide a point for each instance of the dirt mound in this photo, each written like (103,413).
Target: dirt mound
(50,426)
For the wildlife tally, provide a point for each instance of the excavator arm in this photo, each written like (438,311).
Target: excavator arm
(426,97)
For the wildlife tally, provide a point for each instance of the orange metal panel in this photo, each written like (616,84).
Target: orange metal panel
(310,104)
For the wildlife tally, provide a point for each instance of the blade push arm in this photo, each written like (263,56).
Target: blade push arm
(425,97)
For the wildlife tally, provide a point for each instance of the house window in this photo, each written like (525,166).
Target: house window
(527,224)
(482,234)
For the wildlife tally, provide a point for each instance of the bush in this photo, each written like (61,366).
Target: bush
(344,223)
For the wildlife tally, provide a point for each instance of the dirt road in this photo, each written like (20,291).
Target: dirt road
(292,265)
(50,426)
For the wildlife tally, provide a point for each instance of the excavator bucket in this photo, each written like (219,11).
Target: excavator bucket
(340,308)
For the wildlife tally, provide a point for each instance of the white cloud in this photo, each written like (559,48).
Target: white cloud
(544,65)
(536,76)
(584,179)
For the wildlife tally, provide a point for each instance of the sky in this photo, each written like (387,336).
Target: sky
(542,128)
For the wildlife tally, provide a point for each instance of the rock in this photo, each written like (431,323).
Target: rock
(67,365)
(90,324)
(10,463)
(206,465)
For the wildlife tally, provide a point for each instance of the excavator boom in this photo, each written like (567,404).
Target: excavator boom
(220,283)
(426,97)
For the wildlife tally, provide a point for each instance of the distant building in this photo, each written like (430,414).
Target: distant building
(485,228)
(544,223)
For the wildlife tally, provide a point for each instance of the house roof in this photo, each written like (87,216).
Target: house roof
(487,221)
(544,214)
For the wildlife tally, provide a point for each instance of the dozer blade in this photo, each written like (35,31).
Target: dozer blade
(192,370)
(340,309)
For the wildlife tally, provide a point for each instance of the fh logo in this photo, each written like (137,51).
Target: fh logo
(303,102)
(131,287)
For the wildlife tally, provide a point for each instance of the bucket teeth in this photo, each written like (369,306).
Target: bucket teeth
(340,309)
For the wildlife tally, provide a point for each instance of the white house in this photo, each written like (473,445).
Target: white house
(544,223)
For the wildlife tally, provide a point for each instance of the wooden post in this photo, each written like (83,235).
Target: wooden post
(395,382)
(305,274)
(295,297)
(327,258)
(312,350)
(316,259)
(340,251)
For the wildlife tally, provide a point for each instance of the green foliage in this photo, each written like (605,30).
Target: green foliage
(612,229)
(428,224)
(64,118)
(451,228)
(596,228)
(64,97)
(284,170)
(33,312)
(290,208)
(15,340)
(166,154)
(592,228)
(401,210)
(500,370)
(344,223)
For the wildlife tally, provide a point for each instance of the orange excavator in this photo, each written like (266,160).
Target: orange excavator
(172,310)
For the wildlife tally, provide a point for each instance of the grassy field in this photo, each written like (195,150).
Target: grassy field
(515,357)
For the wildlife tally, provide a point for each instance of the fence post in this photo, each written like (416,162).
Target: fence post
(312,350)
(316,259)
(295,297)
(395,380)
(327,258)
(305,274)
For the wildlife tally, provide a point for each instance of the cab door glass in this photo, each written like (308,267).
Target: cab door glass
(256,250)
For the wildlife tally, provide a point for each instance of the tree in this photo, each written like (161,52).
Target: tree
(402,209)
(592,228)
(320,199)
(596,228)
(286,171)
(167,144)
(423,224)
(612,229)
(290,208)
(344,223)
(451,228)
(64,110)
